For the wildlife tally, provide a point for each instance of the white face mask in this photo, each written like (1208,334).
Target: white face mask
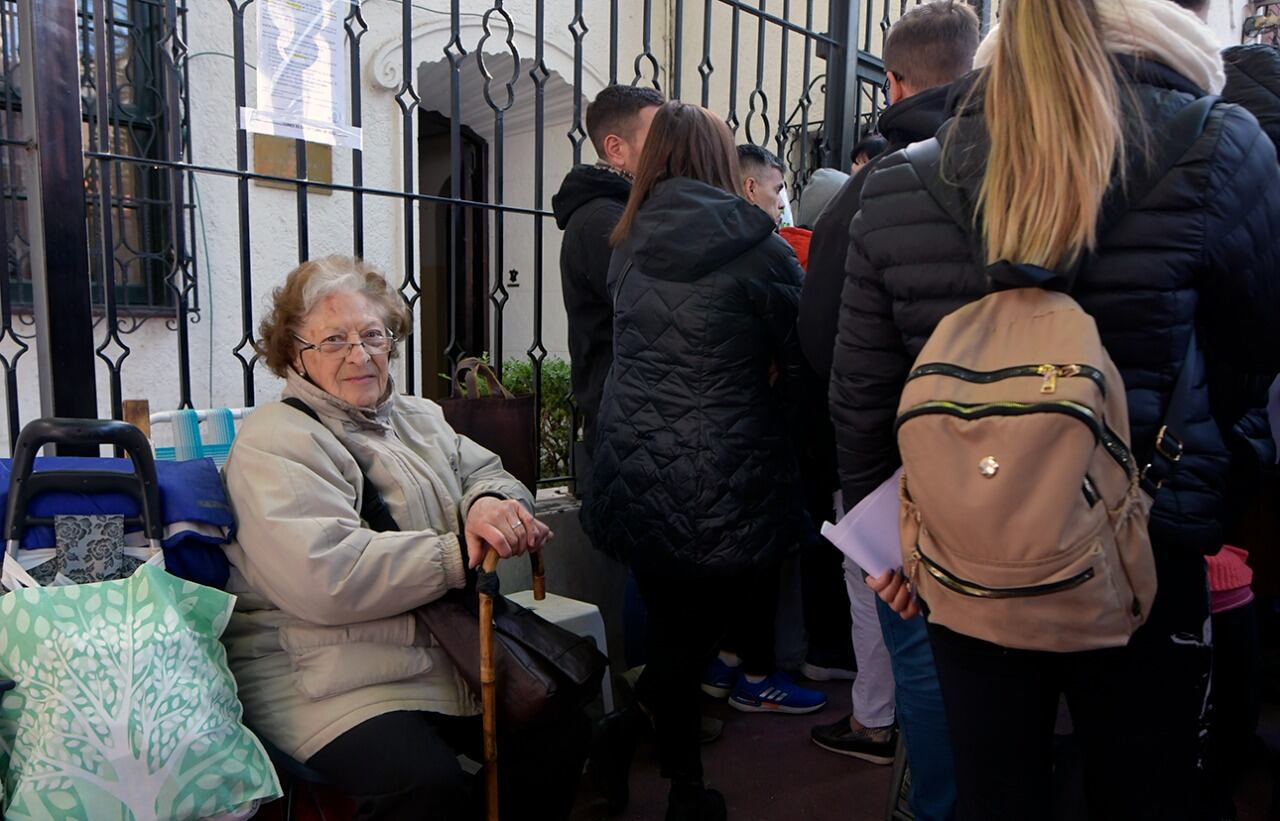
(784,203)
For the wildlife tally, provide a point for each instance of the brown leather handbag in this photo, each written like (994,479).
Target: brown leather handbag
(501,421)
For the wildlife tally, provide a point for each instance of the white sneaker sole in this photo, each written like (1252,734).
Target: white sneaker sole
(870,757)
(815,673)
(767,707)
(716,692)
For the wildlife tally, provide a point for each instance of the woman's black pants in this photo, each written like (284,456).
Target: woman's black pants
(688,621)
(404,765)
(1138,713)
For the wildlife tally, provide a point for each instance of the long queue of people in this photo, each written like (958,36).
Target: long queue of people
(733,376)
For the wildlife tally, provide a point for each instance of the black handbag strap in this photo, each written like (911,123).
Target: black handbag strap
(1167,449)
(372,507)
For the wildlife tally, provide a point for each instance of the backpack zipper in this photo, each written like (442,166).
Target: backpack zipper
(968,588)
(1113,444)
(1048,372)
(1090,491)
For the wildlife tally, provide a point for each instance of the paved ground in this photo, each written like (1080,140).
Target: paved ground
(770,771)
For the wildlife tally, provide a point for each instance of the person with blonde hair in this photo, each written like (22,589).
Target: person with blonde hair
(1068,152)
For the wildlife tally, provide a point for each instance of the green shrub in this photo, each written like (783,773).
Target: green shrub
(556,435)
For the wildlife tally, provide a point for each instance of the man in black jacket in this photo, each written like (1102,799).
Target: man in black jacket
(926,50)
(587,207)
(931,47)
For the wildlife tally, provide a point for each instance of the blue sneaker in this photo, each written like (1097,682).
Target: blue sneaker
(719,679)
(776,694)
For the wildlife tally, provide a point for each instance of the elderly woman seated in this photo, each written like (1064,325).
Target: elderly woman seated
(335,668)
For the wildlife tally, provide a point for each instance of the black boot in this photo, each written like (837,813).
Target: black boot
(694,802)
(609,766)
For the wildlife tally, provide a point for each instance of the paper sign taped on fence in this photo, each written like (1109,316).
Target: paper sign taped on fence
(302,83)
(868,534)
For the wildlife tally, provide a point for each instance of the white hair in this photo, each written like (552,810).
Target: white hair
(334,274)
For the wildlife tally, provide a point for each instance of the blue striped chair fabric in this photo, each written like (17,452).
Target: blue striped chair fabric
(190,443)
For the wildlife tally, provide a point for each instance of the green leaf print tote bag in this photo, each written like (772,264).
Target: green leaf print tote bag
(124,708)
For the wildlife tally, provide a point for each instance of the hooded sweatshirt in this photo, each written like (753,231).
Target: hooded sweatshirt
(587,208)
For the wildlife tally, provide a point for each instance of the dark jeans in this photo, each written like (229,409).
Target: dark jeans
(826,604)
(753,624)
(404,765)
(688,621)
(1235,697)
(1138,713)
(751,636)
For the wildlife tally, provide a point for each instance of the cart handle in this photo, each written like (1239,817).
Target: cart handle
(24,485)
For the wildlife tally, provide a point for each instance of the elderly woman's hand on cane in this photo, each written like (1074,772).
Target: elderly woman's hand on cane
(505,526)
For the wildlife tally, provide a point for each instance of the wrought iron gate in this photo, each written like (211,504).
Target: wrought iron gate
(113,169)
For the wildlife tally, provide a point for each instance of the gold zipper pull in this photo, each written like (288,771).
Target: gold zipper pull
(1050,374)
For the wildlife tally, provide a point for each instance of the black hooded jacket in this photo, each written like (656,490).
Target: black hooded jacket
(916,118)
(694,469)
(1201,249)
(587,208)
(908,121)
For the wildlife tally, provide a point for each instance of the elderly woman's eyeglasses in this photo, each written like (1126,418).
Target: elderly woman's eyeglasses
(375,342)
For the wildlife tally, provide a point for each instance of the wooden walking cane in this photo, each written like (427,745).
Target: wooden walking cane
(489,694)
(488,678)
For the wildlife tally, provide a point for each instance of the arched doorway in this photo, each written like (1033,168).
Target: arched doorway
(441,239)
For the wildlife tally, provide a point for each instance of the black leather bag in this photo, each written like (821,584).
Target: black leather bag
(543,671)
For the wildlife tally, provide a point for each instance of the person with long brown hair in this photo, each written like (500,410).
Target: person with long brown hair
(1075,151)
(695,483)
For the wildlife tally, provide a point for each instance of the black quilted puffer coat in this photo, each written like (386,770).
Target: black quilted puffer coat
(1200,248)
(1253,81)
(695,473)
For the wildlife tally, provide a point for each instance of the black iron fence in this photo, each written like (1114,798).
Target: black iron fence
(123,161)
(1263,24)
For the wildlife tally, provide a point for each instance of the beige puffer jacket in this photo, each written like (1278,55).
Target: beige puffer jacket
(325,635)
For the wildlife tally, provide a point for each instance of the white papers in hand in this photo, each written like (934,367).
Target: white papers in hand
(868,534)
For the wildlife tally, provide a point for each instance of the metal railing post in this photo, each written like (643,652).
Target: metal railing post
(56,208)
(842,82)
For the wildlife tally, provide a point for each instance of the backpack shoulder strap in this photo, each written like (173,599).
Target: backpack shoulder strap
(372,507)
(926,160)
(1179,134)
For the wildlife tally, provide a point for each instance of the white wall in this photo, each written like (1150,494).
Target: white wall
(1226,17)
